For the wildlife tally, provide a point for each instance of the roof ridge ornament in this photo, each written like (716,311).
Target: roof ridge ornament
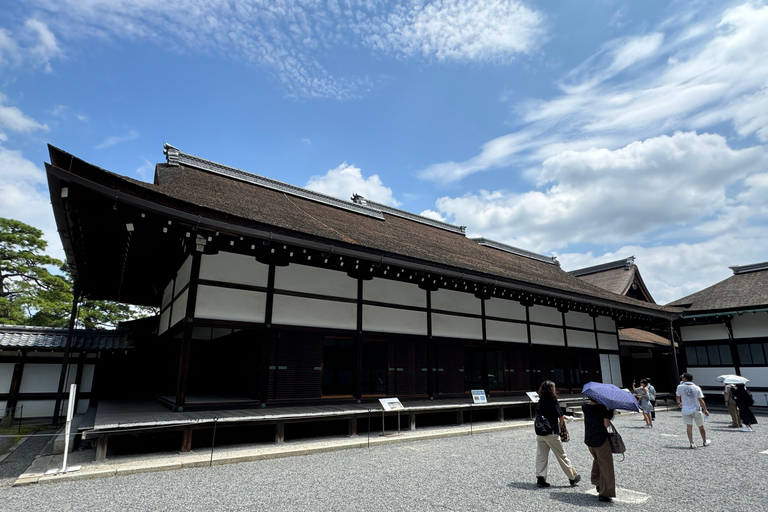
(171,154)
(754,267)
(516,250)
(358,199)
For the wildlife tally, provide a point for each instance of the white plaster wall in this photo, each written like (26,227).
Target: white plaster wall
(547,335)
(449,300)
(505,331)
(703,332)
(611,369)
(168,294)
(401,321)
(605,323)
(229,267)
(750,325)
(36,408)
(394,292)
(457,326)
(229,304)
(3,404)
(757,375)
(583,339)
(6,376)
(180,308)
(707,376)
(182,277)
(301,278)
(86,381)
(545,315)
(503,308)
(164,317)
(578,319)
(607,341)
(41,378)
(288,310)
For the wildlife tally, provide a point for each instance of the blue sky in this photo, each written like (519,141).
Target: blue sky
(589,130)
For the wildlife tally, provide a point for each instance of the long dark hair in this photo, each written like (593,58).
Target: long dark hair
(547,390)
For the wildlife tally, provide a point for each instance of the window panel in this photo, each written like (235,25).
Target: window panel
(690,354)
(745,355)
(725,354)
(701,354)
(757,353)
(713,351)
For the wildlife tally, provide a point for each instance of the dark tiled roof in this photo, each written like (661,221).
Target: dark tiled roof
(237,202)
(18,336)
(639,335)
(747,290)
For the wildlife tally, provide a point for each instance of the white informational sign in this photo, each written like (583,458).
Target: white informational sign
(391,404)
(534,396)
(478,396)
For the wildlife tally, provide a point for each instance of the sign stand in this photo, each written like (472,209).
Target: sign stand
(534,396)
(390,404)
(67,430)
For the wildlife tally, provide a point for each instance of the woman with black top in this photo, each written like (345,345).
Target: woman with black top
(744,401)
(597,419)
(550,409)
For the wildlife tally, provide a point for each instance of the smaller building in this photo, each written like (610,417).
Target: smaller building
(31,360)
(644,353)
(724,330)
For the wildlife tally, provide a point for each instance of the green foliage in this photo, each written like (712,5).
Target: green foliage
(32,294)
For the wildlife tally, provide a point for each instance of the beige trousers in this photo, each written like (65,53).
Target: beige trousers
(602,470)
(734,412)
(552,442)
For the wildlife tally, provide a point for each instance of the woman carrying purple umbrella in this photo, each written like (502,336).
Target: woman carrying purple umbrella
(597,419)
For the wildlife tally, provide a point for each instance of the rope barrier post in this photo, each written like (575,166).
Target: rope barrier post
(21,415)
(369,429)
(470,419)
(213,441)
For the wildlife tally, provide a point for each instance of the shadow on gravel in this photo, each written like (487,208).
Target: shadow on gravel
(574,499)
(526,486)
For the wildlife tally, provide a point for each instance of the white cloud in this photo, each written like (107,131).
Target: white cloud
(692,79)
(32,45)
(346,180)
(674,271)
(609,196)
(117,139)
(14,119)
(459,30)
(24,190)
(294,38)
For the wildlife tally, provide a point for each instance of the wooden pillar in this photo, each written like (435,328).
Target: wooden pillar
(280,432)
(501,413)
(460,417)
(65,359)
(353,426)
(186,440)
(13,392)
(412,421)
(101,448)
(186,341)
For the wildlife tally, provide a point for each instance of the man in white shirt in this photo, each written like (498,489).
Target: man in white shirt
(690,399)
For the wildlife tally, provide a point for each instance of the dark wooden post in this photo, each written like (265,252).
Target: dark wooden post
(186,441)
(13,392)
(65,359)
(353,426)
(280,432)
(101,447)
(186,341)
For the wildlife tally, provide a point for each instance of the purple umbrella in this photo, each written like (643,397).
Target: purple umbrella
(610,396)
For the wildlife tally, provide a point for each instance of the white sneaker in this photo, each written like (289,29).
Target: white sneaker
(746,429)
(693,446)
(707,443)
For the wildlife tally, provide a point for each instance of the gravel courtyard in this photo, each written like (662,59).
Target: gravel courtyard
(485,472)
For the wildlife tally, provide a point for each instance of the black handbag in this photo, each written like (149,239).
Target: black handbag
(541,425)
(616,442)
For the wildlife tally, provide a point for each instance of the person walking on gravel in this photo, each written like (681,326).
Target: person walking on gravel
(690,400)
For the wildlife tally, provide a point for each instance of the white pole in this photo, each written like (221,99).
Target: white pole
(70,414)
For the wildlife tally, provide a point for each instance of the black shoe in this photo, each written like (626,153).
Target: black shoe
(541,482)
(575,480)
(604,498)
